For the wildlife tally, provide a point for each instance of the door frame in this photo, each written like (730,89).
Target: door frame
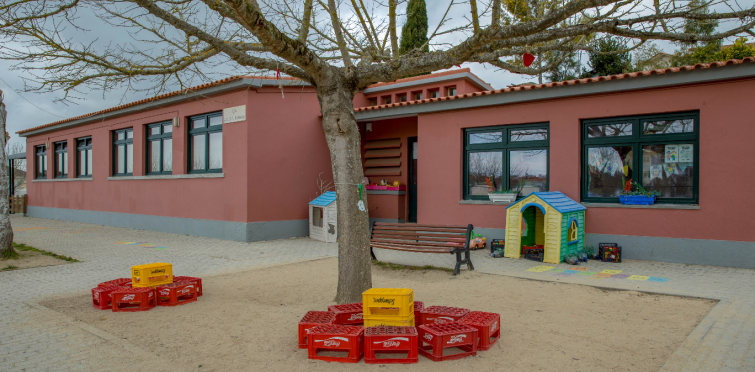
(411,190)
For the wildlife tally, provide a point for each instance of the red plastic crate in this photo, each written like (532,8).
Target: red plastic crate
(133,299)
(488,326)
(418,307)
(311,320)
(119,282)
(176,293)
(196,281)
(102,296)
(439,336)
(390,340)
(347,314)
(442,314)
(334,337)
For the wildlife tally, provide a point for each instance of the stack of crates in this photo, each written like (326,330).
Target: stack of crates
(388,307)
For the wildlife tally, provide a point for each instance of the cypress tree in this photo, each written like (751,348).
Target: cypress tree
(414,32)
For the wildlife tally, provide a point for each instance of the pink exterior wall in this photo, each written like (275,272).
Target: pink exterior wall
(727,126)
(391,206)
(270,162)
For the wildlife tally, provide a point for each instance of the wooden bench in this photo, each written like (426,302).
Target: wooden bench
(411,237)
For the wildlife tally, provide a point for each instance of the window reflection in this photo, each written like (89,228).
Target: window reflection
(485,167)
(608,168)
(529,167)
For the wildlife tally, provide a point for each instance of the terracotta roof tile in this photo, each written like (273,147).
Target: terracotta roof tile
(699,66)
(156,98)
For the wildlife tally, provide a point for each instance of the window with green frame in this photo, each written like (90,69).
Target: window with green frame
(659,152)
(504,157)
(206,143)
(160,148)
(123,152)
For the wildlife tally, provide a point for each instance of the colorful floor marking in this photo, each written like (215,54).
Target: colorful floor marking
(141,244)
(605,274)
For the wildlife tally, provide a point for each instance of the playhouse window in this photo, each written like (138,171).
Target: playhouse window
(659,152)
(160,148)
(317,216)
(573,231)
(206,143)
(505,157)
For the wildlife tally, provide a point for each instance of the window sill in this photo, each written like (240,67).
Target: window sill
(386,192)
(654,206)
(62,179)
(484,202)
(168,176)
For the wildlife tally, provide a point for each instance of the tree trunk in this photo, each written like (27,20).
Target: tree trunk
(6,232)
(342,136)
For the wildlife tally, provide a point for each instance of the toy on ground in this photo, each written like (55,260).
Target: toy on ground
(390,340)
(333,337)
(439,336)
(609,252)
(548,219)
(534,253)
(478,242)
(497,245)
(323,218)
(151,275)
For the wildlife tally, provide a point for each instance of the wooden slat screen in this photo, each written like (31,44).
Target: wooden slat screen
(383,157)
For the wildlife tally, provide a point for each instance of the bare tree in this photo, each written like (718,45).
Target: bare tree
(6,231)
(339,47)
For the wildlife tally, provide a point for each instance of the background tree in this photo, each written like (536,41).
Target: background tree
(414,31)
(6,231)
(339,47)
(740,49)
(698,51)
(610,56)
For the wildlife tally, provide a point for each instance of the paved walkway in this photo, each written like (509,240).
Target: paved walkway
(34,338)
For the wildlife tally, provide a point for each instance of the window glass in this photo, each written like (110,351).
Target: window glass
(668,126)
(435,93)
(82,163)
(89,162)
(387,99)
(529,135)
(120,155)
(154,131)
(452,91)
(402,98)
(216,150)
(154,159)
(120,136)
(607,170)
(168,128)
(418,96)
(609,130)
(573,235)
(198,123)
(485,172)
(489,137)
(198,152)
(530,167)
(373,101)
(668,169)
(167,155)
(216,120)
(129,134)
(129,158)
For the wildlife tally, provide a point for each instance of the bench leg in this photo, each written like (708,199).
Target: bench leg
(373,255)
(467,260)
(458,263)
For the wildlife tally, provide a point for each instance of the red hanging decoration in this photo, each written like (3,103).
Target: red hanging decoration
(278,74)
(528,59)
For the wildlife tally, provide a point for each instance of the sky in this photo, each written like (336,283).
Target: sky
(27,109)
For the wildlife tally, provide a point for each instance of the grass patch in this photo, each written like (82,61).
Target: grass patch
(392,266)
(10,255)
(9,267)
(23,247)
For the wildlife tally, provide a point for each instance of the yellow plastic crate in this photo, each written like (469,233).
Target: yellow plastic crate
(389,321)
(387,302)
(152,274)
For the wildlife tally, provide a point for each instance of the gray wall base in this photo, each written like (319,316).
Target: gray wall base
(387,220)
(226,230)
(687,251)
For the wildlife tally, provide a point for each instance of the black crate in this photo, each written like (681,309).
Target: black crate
(496,244)
(609,247)
(534,254)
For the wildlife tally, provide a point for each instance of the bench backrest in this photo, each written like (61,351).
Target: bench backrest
(411,236)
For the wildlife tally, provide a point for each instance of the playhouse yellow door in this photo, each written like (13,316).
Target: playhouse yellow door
(513,234)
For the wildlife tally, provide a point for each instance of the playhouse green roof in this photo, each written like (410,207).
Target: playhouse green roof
(557,200)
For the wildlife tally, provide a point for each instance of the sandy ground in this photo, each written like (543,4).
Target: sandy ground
(248,321)
(28,259)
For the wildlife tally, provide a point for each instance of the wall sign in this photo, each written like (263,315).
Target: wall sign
(234,114)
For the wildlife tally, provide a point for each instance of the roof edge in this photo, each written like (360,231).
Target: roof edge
(437,79)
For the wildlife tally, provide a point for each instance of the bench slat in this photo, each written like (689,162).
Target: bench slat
(408,242)
(382,228)
(397,247)
(410,234)
(419,239)
(415,225)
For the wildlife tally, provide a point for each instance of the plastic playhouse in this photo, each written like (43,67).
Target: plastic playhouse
(389,321)
(549,224)
(150,285)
